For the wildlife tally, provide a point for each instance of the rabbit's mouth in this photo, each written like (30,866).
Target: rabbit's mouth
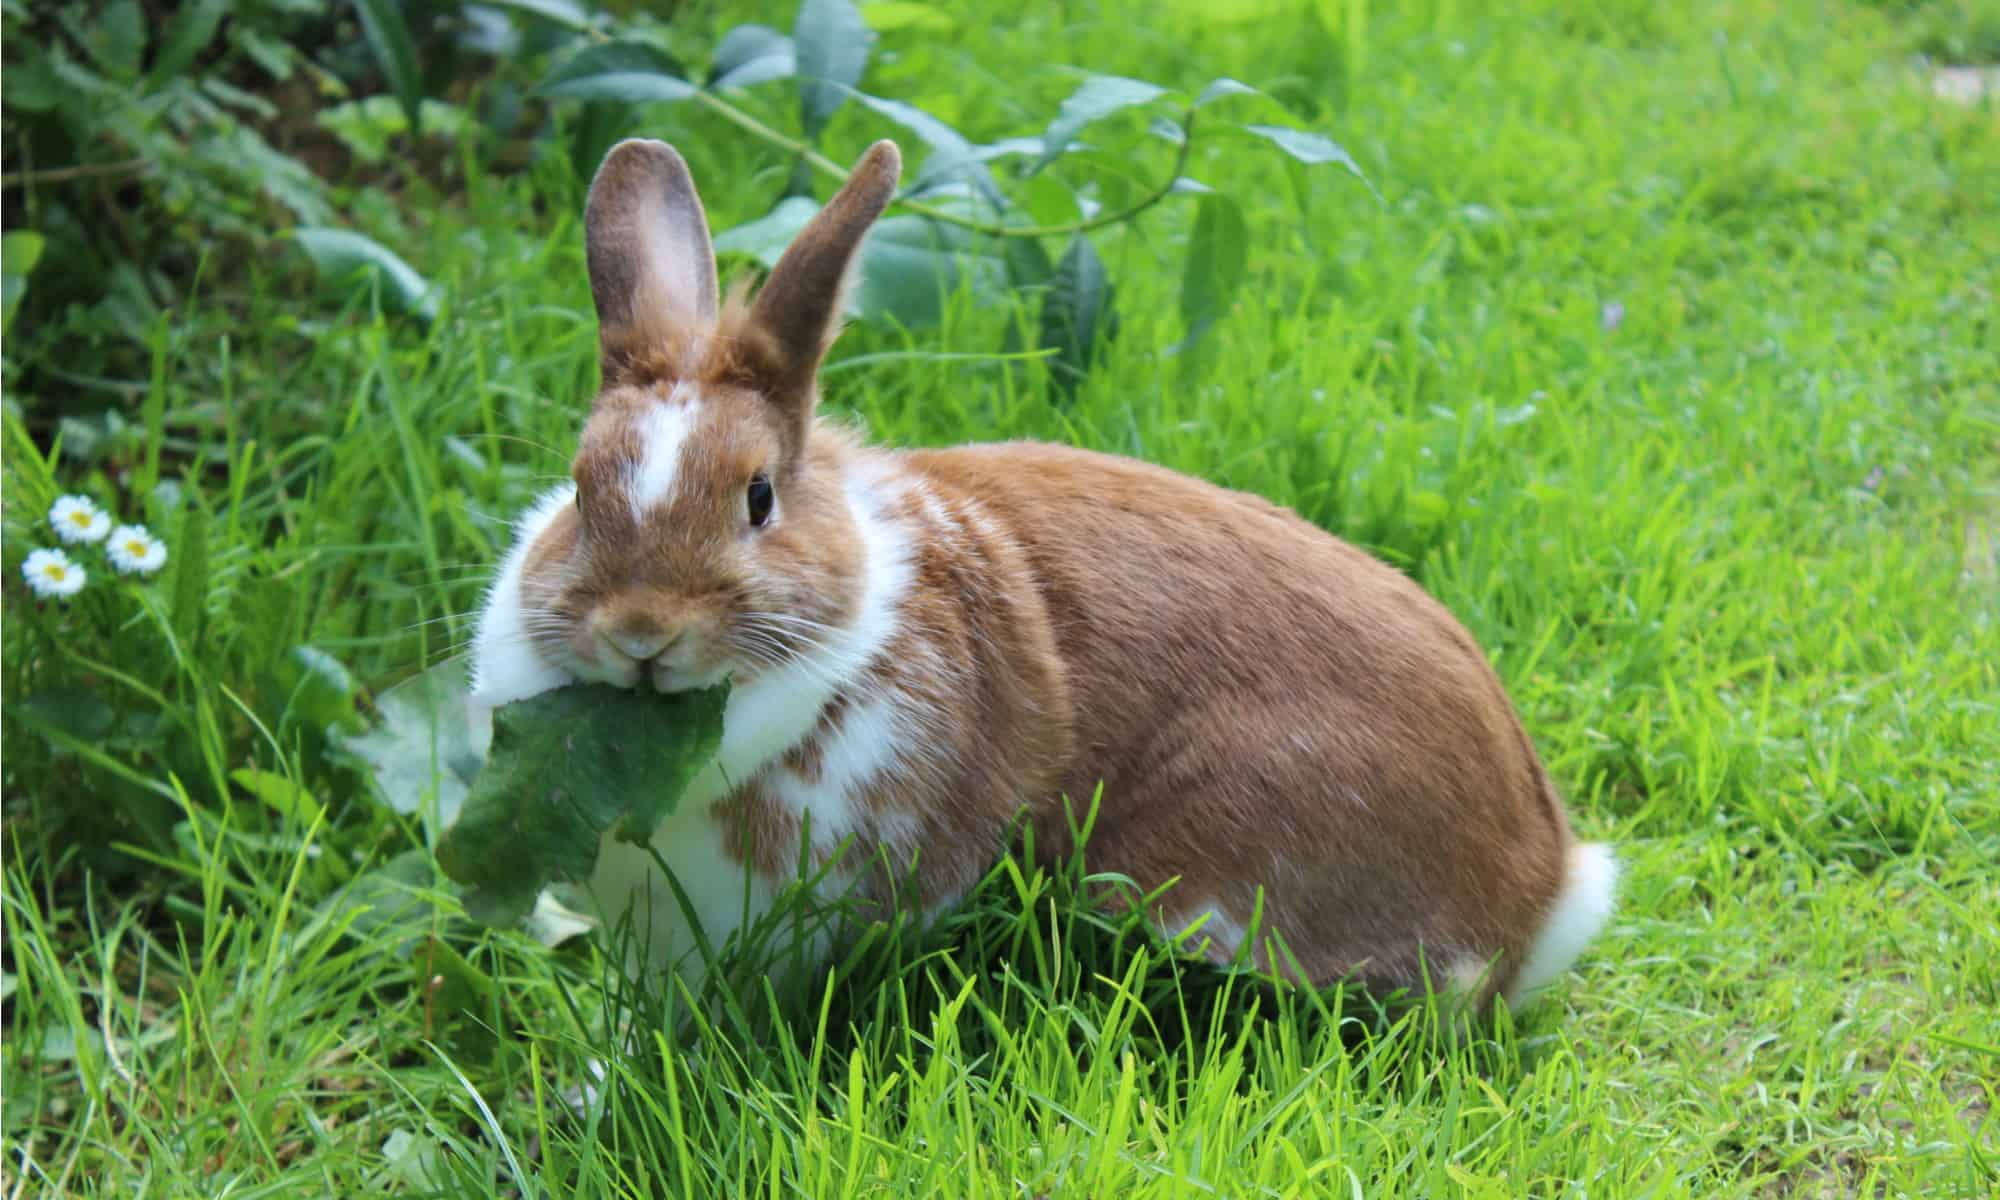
(669,677)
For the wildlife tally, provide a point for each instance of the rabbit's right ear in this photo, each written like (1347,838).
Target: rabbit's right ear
(652,267)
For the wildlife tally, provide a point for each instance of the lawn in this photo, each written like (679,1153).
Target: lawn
(1660,345)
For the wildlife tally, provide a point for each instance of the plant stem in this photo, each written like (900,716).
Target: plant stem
(129,166)
(826,166)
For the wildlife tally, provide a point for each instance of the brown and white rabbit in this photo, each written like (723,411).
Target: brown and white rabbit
(925,645)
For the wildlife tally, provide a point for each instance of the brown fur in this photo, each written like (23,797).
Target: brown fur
(1266,708)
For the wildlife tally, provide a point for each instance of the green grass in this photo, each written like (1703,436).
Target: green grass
(1734,559)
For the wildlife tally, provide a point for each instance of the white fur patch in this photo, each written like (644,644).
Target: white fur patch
(865,744)
(505,664)
(663,433)
(1222,935)
(690,842)
(1589,891)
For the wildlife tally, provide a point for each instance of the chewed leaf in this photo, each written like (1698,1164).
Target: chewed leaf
(1099,97)
(566,767)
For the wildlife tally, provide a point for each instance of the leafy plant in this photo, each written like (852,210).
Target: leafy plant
(964,217)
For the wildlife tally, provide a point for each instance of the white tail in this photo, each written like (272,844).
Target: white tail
(1589,890)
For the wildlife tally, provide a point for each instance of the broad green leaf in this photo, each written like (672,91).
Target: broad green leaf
(633,72)
(909,265)
(280,794)
(567,767)
(396,53)
(1309,148)
(341,255)
(831,43)
(424,753)
(20,250)
(192,28)
(1099,97)
(766,237)
(1225,86)
(1217,254)
(1077,314)
(888,16)
(751,54)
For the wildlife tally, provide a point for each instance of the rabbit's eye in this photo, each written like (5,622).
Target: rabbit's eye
(761,497)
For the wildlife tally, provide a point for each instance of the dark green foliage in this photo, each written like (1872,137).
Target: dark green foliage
(203,164)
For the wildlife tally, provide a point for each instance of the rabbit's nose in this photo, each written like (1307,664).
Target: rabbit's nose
(645,645)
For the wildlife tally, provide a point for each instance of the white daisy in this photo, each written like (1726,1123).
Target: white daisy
(77,520)
(51,574)
(134,551)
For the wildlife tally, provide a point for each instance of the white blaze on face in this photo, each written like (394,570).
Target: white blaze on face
(663,433)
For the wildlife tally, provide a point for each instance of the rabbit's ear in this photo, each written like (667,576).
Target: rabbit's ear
(799,306)
(652,267)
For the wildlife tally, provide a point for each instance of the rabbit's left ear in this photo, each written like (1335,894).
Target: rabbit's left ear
(799,306)
(652,267)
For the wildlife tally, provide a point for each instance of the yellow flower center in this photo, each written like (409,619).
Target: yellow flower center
(136,549)
(80,518)
(56,572)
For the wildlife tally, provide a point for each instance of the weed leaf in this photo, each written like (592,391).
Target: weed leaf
(1225,86)
(190,30)
(20,250)
(953,156)
(1311,149)
(1076,314)
(830,41)
(396,53)
(910,264)
(1218,251)
(342,254)
(1099,97)
(632,72)
(751,54)
(766,237)
(559,12)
